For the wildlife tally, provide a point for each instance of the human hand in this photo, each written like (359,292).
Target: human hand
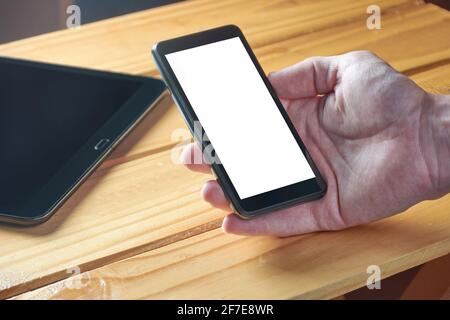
(368,129)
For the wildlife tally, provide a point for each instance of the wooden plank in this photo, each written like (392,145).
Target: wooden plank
(139,200)
(436,80)
(214,265)
(415,36)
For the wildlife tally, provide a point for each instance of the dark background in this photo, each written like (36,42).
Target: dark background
(25,18)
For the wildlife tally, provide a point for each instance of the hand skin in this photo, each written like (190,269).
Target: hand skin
(381,143)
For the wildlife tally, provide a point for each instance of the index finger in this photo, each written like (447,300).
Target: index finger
(192,158)
(301,219)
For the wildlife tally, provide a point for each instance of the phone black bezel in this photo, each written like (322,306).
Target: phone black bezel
(83,162)
(269,201)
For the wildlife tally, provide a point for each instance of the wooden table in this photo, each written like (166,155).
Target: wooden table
(138,229)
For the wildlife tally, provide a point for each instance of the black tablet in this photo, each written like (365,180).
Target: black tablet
(56,125)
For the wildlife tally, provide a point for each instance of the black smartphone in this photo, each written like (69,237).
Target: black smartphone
(233,112)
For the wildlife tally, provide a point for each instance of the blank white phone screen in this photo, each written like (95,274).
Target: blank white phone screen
(240,117)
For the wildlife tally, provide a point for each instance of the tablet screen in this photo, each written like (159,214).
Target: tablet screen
(47,115)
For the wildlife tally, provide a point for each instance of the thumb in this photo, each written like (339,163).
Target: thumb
(306,79)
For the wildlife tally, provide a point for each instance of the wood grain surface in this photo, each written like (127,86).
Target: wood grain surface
(142,206)
(214,265)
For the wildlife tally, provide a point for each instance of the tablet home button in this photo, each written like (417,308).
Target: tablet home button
(101,144)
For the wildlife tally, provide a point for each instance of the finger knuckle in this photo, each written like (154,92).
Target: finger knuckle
(332,220)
